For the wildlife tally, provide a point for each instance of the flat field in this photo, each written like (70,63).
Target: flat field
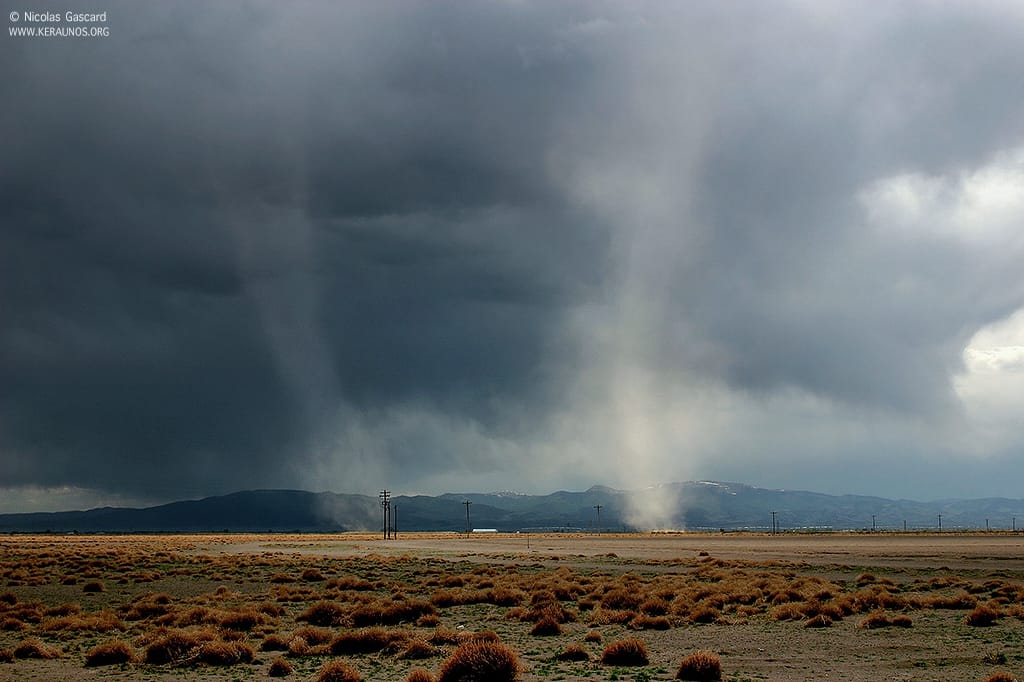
(880,606)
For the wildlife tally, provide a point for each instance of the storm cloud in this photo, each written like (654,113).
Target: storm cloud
(532,245)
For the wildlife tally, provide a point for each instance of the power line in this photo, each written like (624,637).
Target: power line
(469,527)
(385,504)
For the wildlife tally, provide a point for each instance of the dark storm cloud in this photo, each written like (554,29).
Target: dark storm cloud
(242,243)
(175,190)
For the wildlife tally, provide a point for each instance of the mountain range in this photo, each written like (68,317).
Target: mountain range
(696,505)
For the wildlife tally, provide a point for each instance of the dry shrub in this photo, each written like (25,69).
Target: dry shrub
(818,621)
(1015,611)
(621,600)
(12,624)
(298,646)
(391,613)
(418,649)
(443,635)
(148,605)
(786,612)
(1001,676)
(655,606)
(865,578)
(982,616)
(36,648)
(8,597)
(547,626)
(704,614)
(103,621)
(279,668)
(311,575)
(63,610)
(503,596)
(323,613)
(197,615)
(419,675)
(366,641)
(177,646)
(6,656)
(348,582)
(274,643)
(963,601)
(481,636)
(110,653)
(628,651)
(608,617)
(428,620)
(93,586)
(459,597)
(593,636)
(337,671)
(644,622)
(293,594)
(314,635)
(225,653)
(479,661)
(242,620)
(700,665)
(551,609)
(574,652)
(901,620)
(281,578)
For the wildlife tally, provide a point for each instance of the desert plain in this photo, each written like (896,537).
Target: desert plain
(793,606)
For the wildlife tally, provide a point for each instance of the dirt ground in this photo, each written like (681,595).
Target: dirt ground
(748,598)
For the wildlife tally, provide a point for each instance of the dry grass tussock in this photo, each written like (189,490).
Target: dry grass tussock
(573,652)
(337,671)
(472,661)
(982,616)
(369,640)
(36,648)
(280,668)
(192,646)
(113,652)
(628,651)
(700,666)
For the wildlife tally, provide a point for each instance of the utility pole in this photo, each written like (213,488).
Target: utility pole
(774,526)
(598,508)
(904,525)
(469,528)
(385,505)
(986,525)
(1014,524)
(394,521)
(872,523)
(940,521)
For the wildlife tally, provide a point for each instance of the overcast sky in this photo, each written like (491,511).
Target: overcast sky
(512,245)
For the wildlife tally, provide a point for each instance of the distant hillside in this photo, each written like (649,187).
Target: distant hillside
(704,505)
